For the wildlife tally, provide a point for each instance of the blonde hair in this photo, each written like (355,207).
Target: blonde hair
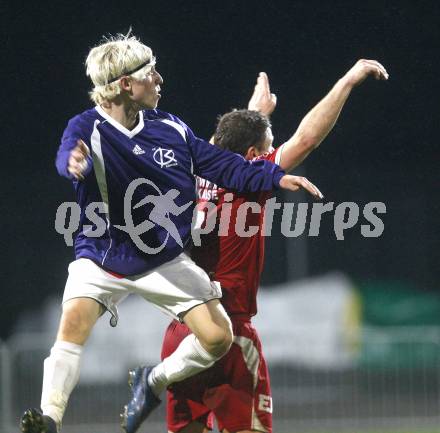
(113,59)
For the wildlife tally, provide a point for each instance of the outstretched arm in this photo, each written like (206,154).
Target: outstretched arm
(232,171)
(320,120)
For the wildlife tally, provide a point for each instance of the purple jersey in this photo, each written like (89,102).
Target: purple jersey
(164,151)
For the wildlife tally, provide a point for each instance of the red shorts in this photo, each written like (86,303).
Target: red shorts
(235,390)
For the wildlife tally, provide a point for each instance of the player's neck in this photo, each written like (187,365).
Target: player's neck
(127,116)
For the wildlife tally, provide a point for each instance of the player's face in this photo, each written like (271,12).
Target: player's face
(267,144)
(146,92)
(255,151)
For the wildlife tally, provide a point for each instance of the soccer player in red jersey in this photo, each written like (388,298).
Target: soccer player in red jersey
(236,390)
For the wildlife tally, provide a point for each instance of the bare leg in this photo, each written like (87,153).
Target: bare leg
(61,368)
(212,326)
(211,339)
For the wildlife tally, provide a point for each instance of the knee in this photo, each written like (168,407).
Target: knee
(219,341)
(226,343)
(74,326)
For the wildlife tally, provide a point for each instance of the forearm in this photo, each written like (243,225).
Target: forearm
(321,119)
(316,125)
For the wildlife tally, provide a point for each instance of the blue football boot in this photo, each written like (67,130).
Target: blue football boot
(143,400)
(33,421)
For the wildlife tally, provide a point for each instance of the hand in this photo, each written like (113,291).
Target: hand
(362,69)
(294,183)
(262,100)
(78,160)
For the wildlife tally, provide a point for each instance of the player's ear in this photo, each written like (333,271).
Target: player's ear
(125,83)
(251,153)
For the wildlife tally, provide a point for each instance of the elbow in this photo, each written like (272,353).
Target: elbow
(61,164)
(61,167)
(60,170)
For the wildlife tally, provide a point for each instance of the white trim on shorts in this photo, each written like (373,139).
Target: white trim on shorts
(174,287)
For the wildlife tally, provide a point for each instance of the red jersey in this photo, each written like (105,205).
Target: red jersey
(233,260)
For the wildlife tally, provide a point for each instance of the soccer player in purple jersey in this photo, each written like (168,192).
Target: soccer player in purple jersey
(105,151)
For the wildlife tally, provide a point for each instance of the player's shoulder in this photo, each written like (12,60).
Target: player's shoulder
(89,114)
(83,119)
(157,114)
(167,120)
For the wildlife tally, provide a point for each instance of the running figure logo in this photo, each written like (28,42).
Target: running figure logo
(163,206)
(164,157)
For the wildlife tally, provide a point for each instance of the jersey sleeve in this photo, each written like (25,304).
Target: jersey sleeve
(230,170)
(77,128)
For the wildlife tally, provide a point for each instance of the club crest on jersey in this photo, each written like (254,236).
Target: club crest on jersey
(164,157)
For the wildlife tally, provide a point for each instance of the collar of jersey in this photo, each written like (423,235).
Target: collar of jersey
(120,127)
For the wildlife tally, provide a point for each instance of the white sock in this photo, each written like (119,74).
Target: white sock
(188,359)
(61,374)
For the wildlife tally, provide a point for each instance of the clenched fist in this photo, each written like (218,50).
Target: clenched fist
(78,160)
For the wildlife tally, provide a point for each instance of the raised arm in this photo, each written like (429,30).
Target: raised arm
(320,120)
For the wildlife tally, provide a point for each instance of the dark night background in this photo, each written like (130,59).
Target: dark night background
(384,147)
